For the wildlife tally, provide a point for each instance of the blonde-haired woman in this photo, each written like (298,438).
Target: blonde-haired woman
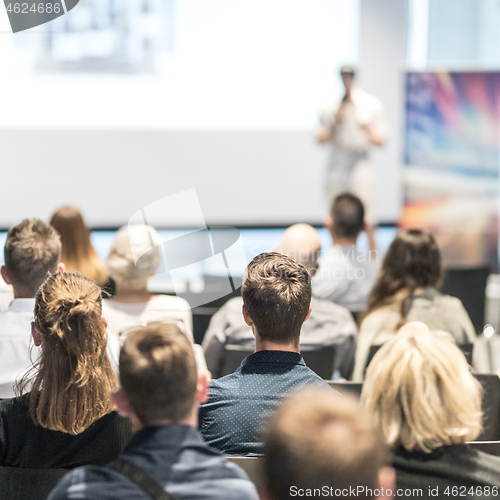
(428,406)
(68,417)
(77,253)
(134,257)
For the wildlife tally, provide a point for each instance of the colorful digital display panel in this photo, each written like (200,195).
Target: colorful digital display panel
(451,174)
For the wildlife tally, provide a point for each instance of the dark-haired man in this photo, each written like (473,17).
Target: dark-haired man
(160,391)
(276,294)
(346,274)
(318,444)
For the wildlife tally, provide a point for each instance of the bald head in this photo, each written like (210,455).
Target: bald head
(301,242)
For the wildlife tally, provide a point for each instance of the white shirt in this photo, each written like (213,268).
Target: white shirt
(346,276)
(363,109)
(16,347)
(122,317)
(6,295)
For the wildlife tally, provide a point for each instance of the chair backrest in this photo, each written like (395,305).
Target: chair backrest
(491,407)
(469,285)
(232,357)
(18,483)
(465,348)
(251,465)
(490,447)
(371,354)
(347,388)
(321,361)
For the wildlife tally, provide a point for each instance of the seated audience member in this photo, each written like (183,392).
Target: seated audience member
(6,295)
(346,274)
(428,406)
(160,391)
(68,417)
(318,444)
(406,290)
(133,305)
(328,324)
(78,254)
(32,249)
(276,295)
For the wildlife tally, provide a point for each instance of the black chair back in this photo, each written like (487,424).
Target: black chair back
(18,483)
(490,447)
(232,357)
(465,348)
(321,361)
(347,388)
(469,285)
(251,465)
(491,407)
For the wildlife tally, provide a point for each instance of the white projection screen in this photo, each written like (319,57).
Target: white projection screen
(119,103)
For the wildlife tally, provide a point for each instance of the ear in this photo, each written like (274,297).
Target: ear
(3,272)
(105,321)
(202,386)
(121,402)
(246,316)
(61,268)
(263,492)
(386,482)
(329,223)
(308,313)
(37,336)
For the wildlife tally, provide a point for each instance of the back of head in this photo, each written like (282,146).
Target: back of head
(78,254)
(276,292)
(32,249)
(319,440)
(348,216)
(73,379)
(421,392)
(301,242)
(135,255)
(158,374)
(412,261)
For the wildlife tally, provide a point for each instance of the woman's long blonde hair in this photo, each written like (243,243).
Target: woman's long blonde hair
(78,254)
(421,393)
(72,382)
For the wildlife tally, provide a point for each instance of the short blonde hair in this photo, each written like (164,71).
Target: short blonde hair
(421,392)
(132,242)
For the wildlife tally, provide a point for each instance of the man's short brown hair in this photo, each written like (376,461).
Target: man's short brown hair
(318,439)
(158,373)
(348,216)
(32,249)
(277,293)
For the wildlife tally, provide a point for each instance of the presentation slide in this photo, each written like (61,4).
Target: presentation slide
(116,104)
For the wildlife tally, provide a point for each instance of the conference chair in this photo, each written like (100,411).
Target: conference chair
(251,465)
(490,406)
(18,483)
(347,388)
(321,361)
(465,348)
(490,447)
